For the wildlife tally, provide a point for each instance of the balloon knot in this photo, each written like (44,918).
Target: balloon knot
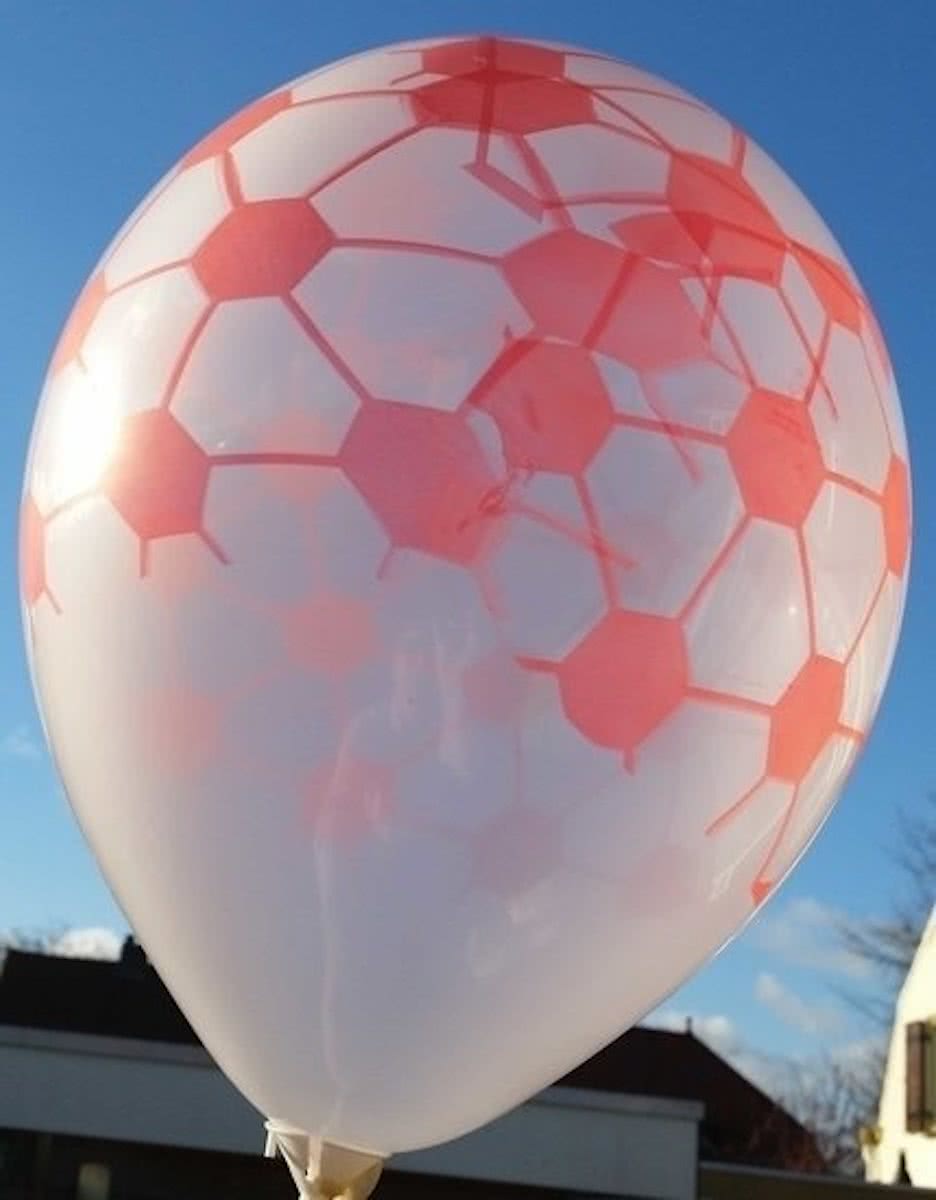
(322,1170)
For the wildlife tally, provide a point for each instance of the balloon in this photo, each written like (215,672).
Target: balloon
(464,543)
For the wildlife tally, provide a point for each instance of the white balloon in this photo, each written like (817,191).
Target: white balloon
(465,540)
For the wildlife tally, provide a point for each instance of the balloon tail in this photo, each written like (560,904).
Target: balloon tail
(321,1170)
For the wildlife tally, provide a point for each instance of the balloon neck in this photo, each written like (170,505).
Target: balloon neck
(322,1170)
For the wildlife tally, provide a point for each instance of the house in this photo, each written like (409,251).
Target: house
(106,1094)
(901,1147)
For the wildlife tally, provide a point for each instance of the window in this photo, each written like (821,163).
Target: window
(94,1182)
(921,1077)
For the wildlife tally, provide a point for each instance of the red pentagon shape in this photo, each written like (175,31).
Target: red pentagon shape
(625,678)
(551,407)
(331,633)
(837,294)
(261,249)
(159,475)
(425,476)
(220,140)
(481,55)
(895,503)
(79,322)
(563,280)
(804,718)
(32,552)
(776,457)
(508,104)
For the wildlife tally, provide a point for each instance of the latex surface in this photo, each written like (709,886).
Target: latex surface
(463,548)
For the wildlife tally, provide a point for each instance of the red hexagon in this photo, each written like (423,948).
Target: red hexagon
(648,320)
(723,215)
(709,188)
(158,478)
(895,503)
(494,99)
(261,249)
(804,718)
(481,54)
(585,290)
(220,140)
(776,457)
(563,280)
(625,678)
(661,235)
(837,294)
(33,581)
(79,322)
(424,475)
(551,407)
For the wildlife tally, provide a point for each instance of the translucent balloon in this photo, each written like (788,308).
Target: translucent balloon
(464,543)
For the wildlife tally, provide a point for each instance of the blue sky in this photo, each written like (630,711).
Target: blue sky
(97,101)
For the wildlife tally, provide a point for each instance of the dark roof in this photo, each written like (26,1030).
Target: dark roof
(741,1123)
(128,999)
(76,995)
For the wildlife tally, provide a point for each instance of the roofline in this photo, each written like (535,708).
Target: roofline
(768,1099)
(925,947)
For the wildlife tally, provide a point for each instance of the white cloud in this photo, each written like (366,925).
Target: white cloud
(809,1018)
(804,933)
(92,942)
(20,742)
(88,942)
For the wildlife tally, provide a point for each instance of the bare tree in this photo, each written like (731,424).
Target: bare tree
(888,943)
(833,1097)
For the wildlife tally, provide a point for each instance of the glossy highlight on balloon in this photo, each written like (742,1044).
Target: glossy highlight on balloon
(463,549)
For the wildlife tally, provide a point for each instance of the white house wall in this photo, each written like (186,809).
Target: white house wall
(109,1088)
(916,1002)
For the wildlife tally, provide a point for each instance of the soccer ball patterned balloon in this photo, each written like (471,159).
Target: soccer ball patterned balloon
(464,543)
